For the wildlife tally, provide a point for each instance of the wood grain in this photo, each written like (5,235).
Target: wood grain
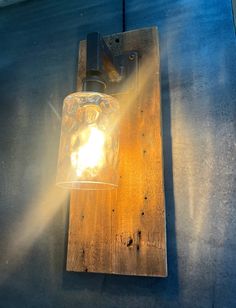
(123,231)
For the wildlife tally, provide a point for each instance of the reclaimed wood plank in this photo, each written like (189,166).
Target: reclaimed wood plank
(124,231)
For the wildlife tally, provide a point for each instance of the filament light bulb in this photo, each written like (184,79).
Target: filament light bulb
(90,156)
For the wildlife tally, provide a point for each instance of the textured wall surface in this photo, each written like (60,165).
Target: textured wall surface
(38,53)
(234,11)
(9,2)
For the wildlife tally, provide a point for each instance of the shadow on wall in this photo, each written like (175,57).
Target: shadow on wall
(234,12)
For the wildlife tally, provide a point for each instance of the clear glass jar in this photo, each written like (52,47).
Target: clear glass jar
(89,144)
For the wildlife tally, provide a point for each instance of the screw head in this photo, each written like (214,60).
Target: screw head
(131,56)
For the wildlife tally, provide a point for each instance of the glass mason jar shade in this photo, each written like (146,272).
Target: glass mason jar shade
(89,144)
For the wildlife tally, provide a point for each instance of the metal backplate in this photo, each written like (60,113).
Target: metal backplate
(128,62)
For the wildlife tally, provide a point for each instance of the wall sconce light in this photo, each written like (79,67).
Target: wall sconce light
(89,145)
(111,130)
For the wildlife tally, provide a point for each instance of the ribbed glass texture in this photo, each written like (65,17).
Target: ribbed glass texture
(89,144)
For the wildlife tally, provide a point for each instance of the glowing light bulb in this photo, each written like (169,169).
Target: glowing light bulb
(91,154)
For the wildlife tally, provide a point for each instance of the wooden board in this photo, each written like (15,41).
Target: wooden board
(123,231)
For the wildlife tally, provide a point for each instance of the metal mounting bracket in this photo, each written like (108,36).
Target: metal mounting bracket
(106,71)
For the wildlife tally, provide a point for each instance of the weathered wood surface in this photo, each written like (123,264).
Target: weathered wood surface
(124,231)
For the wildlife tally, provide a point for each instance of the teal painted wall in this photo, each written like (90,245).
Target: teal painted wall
(38,59)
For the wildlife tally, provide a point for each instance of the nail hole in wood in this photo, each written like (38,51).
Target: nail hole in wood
(145,197)
(144,151)
(142,213)
(137,247)
(129,242)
